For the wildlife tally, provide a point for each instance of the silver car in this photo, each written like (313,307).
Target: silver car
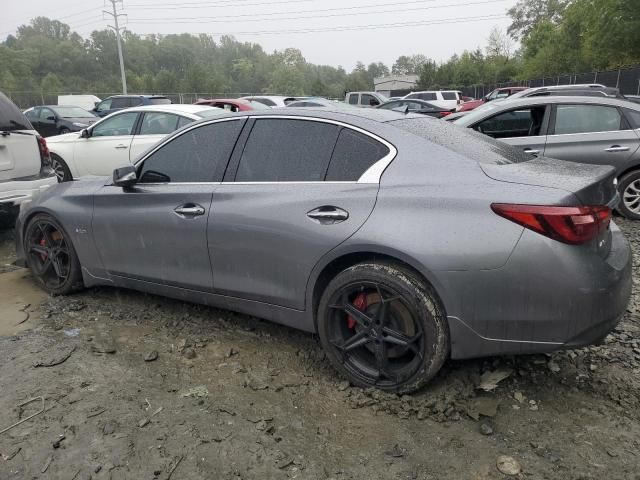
(401,240)
(596,130)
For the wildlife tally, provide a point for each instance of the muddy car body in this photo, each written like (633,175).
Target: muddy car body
(422,254)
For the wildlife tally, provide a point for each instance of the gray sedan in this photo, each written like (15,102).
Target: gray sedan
(594,130)
(400,239)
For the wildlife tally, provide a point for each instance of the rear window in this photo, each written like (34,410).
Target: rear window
(465,141)
(449,95)
(11,118)
(159,101)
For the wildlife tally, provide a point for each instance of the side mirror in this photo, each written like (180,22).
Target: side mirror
(125,176)
(84,133)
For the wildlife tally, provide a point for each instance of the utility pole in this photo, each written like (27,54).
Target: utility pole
(115,16)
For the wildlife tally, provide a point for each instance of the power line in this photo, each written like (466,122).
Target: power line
(344,28)
(235,3)
(304,17)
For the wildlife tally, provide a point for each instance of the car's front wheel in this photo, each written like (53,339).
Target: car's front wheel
(61,169)
(382,326)
(50,256)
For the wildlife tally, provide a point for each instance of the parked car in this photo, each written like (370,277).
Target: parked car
(271,100)
(455,116)
(119,138)
(24,161)
(596,130)
(88,102)
(448,99)
(120,102)
(402,241)
(232,104)
(497,94)
(416,106)
(633,98)
(318,102)
(365,99)
(54,120)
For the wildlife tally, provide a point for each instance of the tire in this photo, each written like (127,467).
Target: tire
(61,168)
(629,188)
(51,257)
(64,130)
(398,347)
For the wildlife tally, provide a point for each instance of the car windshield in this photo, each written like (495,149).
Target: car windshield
(159,101)
(210,112)
(478,113)
(73,112)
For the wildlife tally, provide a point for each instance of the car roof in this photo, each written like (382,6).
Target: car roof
(229,100)
(170,108)
(137,96)
(526,101)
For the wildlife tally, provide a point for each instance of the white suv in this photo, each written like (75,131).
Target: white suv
(24,160)
(448,99)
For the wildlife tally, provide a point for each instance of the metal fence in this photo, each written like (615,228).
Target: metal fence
(626,79)
(30,98)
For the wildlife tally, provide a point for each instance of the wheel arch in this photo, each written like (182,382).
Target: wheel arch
(332,265)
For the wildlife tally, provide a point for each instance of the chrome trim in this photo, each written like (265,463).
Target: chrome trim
(371,176)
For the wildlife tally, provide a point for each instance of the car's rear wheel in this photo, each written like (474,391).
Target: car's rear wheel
(50,256)
(64,130)
(629,188)
(61,169)
(382,326)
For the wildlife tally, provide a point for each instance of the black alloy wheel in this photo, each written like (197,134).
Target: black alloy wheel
(383,328)
(51,256)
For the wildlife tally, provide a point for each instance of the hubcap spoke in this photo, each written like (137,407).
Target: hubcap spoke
(359,316)
(358,340)
(39,250)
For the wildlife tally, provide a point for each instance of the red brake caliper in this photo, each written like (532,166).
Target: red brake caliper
(361,304)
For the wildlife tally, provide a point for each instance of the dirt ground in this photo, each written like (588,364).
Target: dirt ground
(234,397)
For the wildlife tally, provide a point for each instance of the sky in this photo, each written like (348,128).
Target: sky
(328,32)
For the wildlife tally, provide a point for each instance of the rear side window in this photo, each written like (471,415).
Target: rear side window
(587,119)
(159,101)
(265,101)
(281,150)
(449,96)
(427,96)
(353,99)
(11,118)
(158,123)
(198,155)
(135,101)
(633,116)
(353,155)
(369,100)
(120,102)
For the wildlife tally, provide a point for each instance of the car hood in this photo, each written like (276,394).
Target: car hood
(67,137)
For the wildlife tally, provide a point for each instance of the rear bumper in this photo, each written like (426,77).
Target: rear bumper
(549,296)
(14,192)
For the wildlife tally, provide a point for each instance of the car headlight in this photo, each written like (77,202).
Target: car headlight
(81,125)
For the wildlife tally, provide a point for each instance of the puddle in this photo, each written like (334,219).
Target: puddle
(17,290)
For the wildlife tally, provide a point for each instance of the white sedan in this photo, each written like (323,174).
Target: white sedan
(119,138)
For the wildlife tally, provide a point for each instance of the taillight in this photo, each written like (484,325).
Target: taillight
(444,114)
(573,225)
(45,155)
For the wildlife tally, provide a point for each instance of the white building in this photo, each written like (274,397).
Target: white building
(395,85)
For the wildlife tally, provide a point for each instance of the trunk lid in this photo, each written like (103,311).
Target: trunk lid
(591,184)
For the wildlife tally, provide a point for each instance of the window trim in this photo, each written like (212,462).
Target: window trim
(554,111)
(545,128)
(371,176)
(134,128)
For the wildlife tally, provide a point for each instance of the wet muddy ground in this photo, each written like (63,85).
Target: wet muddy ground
(135,386)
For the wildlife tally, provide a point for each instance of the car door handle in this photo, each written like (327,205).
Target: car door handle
(328,214)
(121,146)
(189,210)
(532,151)
(616,148)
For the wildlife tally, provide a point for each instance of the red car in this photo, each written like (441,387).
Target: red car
(232,104)
(496,94)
